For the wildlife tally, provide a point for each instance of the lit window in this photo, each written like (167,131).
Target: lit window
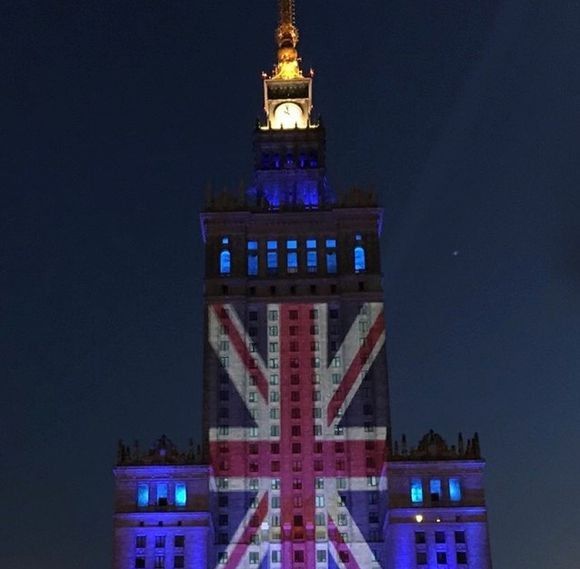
(454,489)
(416,491)
(435,489)
(225,262)
(272,256)
(252,258)
(360,264)
(292,255)
(180,494)
(162,494)
(331,265)
(143,495)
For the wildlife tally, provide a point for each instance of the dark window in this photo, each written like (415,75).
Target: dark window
(179,562)
(140,541)
(140,562)
(421,558)
(299,556)
(441,558)
(461,558)
(420,537)
(459,537)
(439,537)
(179,541)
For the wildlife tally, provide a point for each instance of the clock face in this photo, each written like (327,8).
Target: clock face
(288,115)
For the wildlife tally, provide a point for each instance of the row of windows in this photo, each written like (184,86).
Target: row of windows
(309,256)
(289,160)
(441,557)
(298,556)
(295,430)
(439,537)
(159,562)
(318,447)
(162,494)
(159,541)
(435,490)
(341,483)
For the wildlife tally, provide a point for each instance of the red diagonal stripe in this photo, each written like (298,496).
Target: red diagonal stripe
(340,545)
(240,347)
(355,368)
(250,530)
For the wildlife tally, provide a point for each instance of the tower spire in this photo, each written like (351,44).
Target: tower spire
(287,37)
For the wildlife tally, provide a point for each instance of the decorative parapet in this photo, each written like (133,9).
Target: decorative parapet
(163,452)
(434,447)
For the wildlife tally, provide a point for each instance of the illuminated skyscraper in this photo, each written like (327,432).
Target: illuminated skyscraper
(296,405)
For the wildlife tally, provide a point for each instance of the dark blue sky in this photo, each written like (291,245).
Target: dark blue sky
(115,116)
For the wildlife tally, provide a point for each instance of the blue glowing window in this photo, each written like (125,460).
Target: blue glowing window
(435,489)
(272,245)
(180,494)
(225,263)
(291,244)
(311,243)
(162,494)
(358,237)
(292,261)
(272,255)
(454,489)
(143,495)
(311,261)
(416,491)
(331,243)
(360,263)
(225,240)
(331,266)
(252,258)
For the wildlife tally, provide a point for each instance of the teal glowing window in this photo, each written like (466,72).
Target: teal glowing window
(225,263)
(435,489)
(416,491)
(253,258)
(143,495)
(454,489)
(162,494)
(180,494)
(360,263)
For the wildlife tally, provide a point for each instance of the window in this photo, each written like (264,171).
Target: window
(272,256)
(435,489)
(159,541)
(140,562)
(441,558)
(331,265)
(459,537)
(421,558)
(162,494)
(320,501)
(455,489)
(141,541)
(180,494)
(179,562)
(461,558)
(225,262)
(299,556)
(254,484)
(321,556)
(252,258)
(416,491)
(159,561)
(420,537)
(254,558)
(223,519)
(291,255)
(311,256)
(143,495)
(275,556)
(360,264)
(439,537)
(275,501)
(223,557)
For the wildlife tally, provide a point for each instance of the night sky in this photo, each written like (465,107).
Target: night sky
(115,116)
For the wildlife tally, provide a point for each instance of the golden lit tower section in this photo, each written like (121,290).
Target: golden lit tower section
(289,146)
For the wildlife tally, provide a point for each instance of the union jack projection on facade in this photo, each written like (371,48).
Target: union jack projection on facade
(297,434)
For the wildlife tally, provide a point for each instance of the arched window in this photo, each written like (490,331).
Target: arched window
(360,263)
(225,262)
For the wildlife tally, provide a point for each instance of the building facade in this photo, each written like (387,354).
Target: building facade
(294,469)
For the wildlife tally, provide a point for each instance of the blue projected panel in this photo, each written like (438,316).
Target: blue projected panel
(454,489)
(180,494)
(143,495)
(416,491)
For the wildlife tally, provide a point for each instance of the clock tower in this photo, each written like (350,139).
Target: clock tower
(289,145)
